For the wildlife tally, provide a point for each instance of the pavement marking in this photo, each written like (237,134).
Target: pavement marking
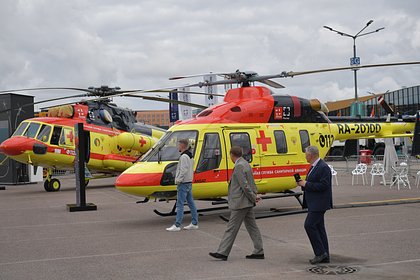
(103,255)
(77,236)
(74,223)
(361,233)
(391,263)
(247,275)
(411,199)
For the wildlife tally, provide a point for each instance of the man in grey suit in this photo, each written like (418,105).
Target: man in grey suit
(242,197)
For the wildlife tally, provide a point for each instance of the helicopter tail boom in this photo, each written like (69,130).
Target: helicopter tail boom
(344,131)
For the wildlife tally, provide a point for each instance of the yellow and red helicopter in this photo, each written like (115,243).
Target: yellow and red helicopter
(115,138)
(272,129)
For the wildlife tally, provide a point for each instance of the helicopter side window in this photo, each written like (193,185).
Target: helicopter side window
(66,137)
(32,130)
(19,131)
(281,144)
(242,140)
(210,154)
(167,148)
(304,139)
(56,135)
(44,133)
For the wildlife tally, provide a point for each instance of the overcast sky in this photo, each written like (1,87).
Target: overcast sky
(138,44)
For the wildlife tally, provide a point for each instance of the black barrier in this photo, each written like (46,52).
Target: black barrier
(81,149)
(415,151)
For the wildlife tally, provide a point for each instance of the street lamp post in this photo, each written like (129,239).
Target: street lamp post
(354,61)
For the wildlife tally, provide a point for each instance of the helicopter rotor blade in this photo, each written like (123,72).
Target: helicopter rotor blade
(197,75)
(167,100)
(44,101)
(271,83)
(189,92)
(292,74)
(46,88)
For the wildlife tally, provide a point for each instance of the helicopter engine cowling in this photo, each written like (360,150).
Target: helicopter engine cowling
(131,141)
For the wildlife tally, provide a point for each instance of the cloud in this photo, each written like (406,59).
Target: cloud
(139,44)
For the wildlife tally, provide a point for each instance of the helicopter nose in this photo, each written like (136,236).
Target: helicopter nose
(15,146)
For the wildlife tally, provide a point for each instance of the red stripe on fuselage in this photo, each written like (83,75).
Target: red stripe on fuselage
(211,176)
(297,109)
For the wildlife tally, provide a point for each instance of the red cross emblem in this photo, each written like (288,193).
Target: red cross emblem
(263,141)
(70,136)
(142,142)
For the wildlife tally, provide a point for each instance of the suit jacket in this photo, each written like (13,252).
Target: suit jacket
(317,195)
(242,191)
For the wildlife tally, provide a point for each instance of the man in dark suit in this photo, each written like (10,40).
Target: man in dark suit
(317,198)
(242,196)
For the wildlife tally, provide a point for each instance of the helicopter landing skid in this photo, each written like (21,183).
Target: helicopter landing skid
(173,211)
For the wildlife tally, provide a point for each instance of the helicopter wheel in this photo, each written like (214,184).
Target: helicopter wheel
(55,185)
(47,186)
(52,185)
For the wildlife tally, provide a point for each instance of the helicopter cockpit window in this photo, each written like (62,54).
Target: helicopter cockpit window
(56,135)
(241,139)
(304,139)
(19,131)
(210,153)
(281,144)
(44,133)
(32,130)
(167,147)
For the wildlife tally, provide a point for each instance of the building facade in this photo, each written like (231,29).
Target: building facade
(158,118)
(405,101)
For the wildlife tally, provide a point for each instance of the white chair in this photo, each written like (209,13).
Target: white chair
(377,170)
(360,170)
(401,176)
(418,179)
(333,173)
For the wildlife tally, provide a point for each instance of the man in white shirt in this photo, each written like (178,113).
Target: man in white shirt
(183,180)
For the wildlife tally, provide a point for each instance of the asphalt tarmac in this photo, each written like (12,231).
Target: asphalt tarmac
(40,239)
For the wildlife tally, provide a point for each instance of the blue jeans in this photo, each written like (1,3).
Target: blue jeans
(184,191)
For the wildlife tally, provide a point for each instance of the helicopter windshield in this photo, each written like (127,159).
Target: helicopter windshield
(32,130)
(22,127)
(167,148)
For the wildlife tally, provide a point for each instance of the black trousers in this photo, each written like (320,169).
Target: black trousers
(315,229)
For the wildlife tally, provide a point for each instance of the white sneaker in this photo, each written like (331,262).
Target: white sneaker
(191,226)
(173,228)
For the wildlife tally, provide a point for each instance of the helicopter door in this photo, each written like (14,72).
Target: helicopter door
(211,165)
(251,153)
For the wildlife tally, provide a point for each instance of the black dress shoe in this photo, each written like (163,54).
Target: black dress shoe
(326,260)
(218,256)
(319,259)
(255,256)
